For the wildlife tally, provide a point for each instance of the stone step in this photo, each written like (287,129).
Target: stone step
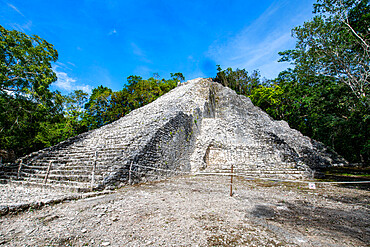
(264,175)
(34,167)
(66,178)
(63,160)
(60,182)
(9,173)
(9,176)
(54,186)
(68,172)
(258,172)
(59,173)
(269,171)
(265,172)
(4,180)
(76,158)
(66,169)
(75,177)
(247,169)
(42,165)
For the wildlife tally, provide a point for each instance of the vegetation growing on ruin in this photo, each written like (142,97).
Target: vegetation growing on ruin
(32,117)
(325,94)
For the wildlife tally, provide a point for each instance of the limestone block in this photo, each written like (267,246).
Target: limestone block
(198,126)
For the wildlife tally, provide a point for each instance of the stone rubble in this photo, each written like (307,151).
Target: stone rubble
(198,211)
(200,126)
(16,198)
(13,194)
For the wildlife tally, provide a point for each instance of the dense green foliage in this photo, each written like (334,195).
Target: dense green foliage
(32,117)
(238,80)
(105,106)
(331,76)
(25,99)
(80,113)
(326,94)
(68,123)
(336,43)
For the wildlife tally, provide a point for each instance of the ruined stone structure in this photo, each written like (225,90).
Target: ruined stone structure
(200,126)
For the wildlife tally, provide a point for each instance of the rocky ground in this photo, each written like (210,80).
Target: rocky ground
(196,211)
(14,194)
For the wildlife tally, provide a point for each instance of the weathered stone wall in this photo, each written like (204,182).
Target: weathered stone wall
(159,135)
(200,126)
(241,134)
(166,153)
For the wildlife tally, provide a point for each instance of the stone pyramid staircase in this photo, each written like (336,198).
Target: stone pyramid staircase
(199,127)
(91,160)
(80,163)
(285,171)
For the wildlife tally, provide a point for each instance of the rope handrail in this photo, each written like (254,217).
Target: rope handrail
(250,177)
(160,169)
(281,180)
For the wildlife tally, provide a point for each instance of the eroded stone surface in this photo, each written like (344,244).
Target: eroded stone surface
(199,126)
(241,134)
(198,211)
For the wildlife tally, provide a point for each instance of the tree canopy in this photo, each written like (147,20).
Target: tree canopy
(25,98)
(25,64)
(238,80)
(33,117)
(325,94)
(336,43)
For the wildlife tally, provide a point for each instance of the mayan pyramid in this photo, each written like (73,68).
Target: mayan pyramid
(198,127)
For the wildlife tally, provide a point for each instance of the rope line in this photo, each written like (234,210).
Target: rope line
(280,180)
(160,169)
(229,174)
(250,177)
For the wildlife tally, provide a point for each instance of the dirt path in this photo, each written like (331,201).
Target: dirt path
(198,211)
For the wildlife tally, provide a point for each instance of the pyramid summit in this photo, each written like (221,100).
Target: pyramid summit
(198,127)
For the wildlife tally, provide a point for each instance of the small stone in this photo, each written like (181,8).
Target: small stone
(84,230)
(3,210)
(105,243)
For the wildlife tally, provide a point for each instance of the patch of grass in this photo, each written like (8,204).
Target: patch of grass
(353,175)
(347,171)
(344,174)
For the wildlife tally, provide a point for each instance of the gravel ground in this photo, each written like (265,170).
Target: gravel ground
(198,211)
(14,194)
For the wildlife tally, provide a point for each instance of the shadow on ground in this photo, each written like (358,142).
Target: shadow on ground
(306,217)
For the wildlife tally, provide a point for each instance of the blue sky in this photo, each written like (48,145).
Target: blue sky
(103,42)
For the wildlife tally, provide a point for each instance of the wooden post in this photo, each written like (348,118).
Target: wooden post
(19,169)
(47,172)
(94,168)
(231,180)
(129,174)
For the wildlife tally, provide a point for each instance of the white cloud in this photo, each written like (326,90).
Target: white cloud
(23,24)
(71,64)
(68,84)
(136,50)
(114,31)
(143,71)
(64,66)
(22,27)
(16,9)
(264,55)
(257,45)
